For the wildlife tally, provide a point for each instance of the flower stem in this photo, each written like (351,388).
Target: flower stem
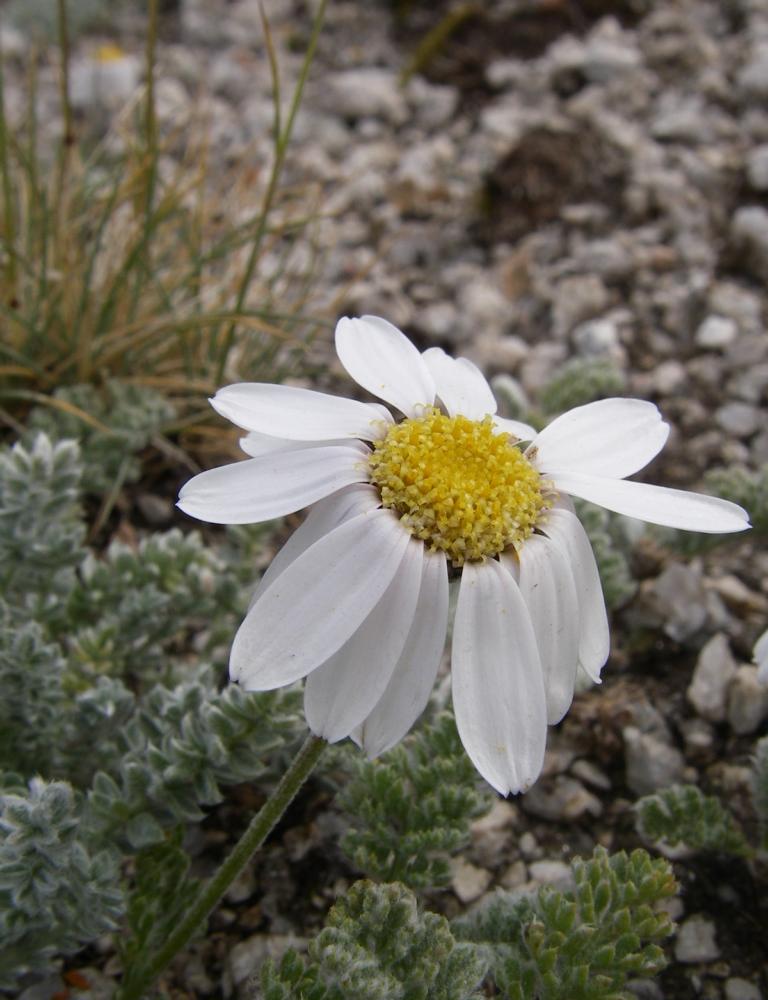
(138,980)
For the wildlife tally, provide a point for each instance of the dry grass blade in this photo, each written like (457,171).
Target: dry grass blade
(144,261)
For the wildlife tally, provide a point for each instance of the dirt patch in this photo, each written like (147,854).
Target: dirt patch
(546,171)
(484,35)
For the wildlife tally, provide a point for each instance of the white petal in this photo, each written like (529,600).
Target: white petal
(324,516)
(611,437)
(287,411)
(410,686)
(344,689)
(546,583)
(657,504)
(383,360)
(318,602)
(515,428)
(256,445)
(566,531)
(760,656)
(276,484)
(460,385)
(498,687)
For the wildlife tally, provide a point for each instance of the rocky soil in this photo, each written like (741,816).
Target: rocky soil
(563,180)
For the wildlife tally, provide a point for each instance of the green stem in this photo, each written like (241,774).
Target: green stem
(68,138)
(9,215)
(136,985)
(282,140)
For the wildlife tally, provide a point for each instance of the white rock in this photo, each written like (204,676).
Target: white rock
(577,298)
(716,332)
(483,306)
(738,419)
(597,338)
(606,58)
(245,957)
(564,798)
(515,876)
(651,763)
(737,303)
(434,105)
(715,669)
(696,941)
(747,701)
(741,989)
(502,815)
(366,93)
(441,319)
(551,873)
(469,882)
(669,377)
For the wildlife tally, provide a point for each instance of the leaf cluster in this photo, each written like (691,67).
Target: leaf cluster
(377,943)
(91,650)
(41,527)
(580,381)
(163,891)
(411,809)
(112,422)
(180,746)
(58,890)
(582,944)
(683,815)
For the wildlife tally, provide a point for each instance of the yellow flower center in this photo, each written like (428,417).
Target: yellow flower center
(458,484)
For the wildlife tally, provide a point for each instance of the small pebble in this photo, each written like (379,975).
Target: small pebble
(741,989)
(747,701)
(715,669)
(469,882)
(696,941)
(716,332)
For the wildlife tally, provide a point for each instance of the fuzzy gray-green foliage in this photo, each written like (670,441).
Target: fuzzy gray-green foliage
(410,809)
(131,604)
(578,945)
(41,526)
(163,892)
(126,418)
(580,381)
(378,944)
(57,890)
(92,649)
(181,746)
(682,814)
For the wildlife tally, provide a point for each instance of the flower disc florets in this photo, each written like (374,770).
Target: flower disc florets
(458,484)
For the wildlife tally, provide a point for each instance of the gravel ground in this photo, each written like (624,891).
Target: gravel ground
(568,180)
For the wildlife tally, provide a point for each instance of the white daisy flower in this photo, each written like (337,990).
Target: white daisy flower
(357,599)
(760,657)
